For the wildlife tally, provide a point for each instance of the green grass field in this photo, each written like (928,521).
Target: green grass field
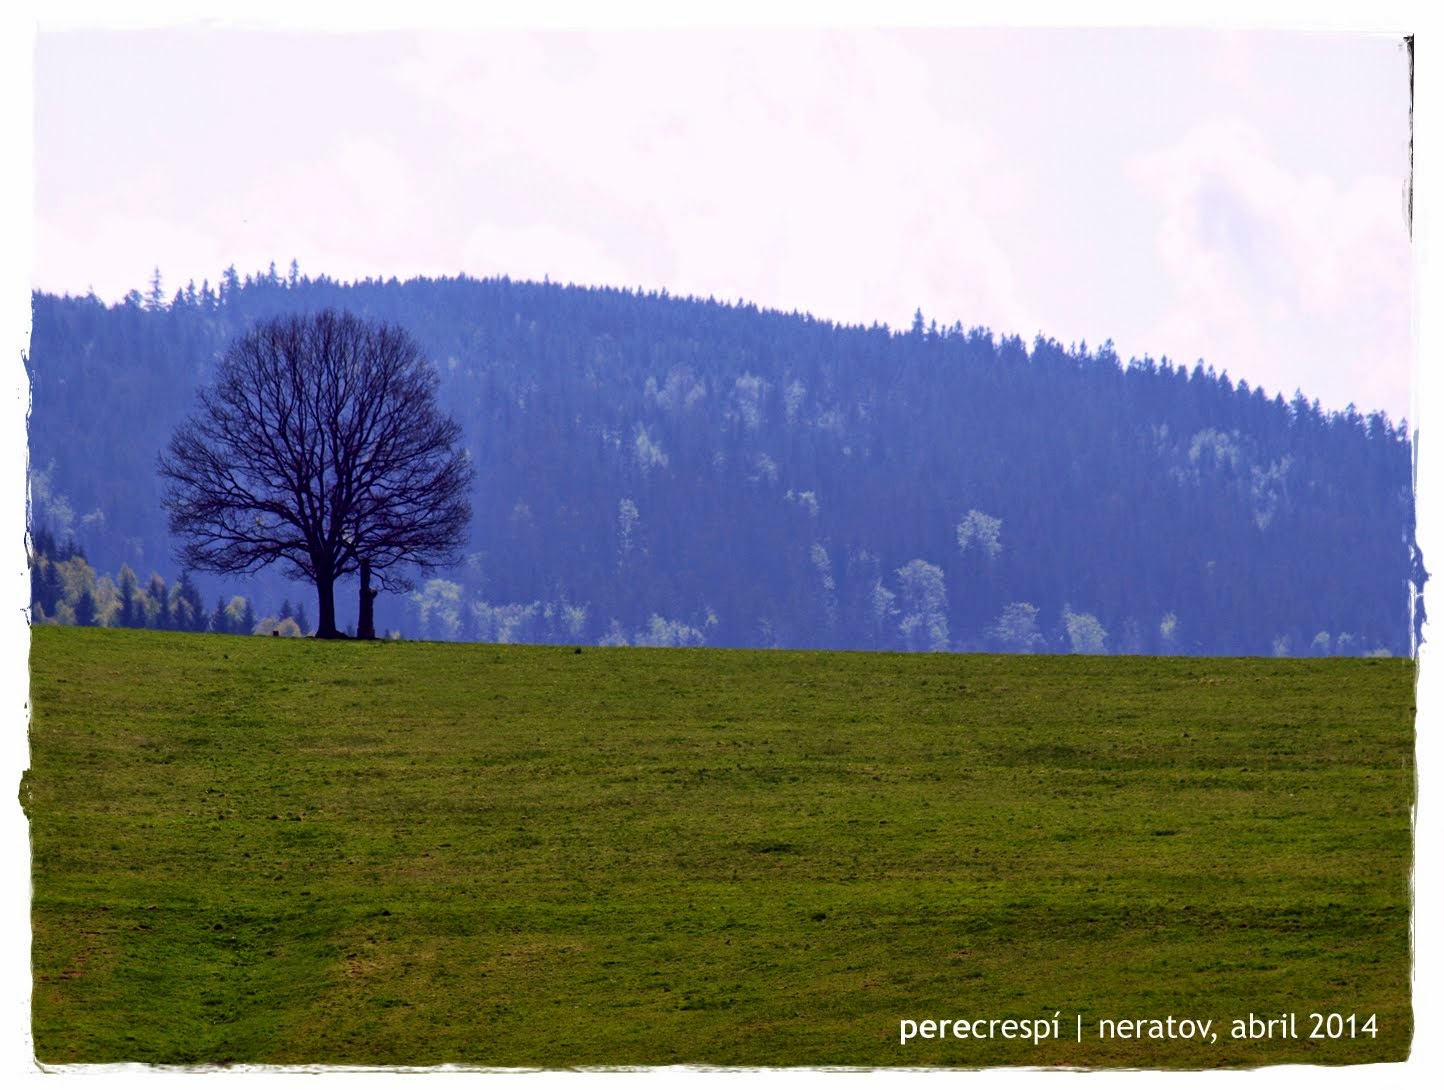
(282,851)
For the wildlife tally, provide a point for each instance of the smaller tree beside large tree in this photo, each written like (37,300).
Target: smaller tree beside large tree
(319,445)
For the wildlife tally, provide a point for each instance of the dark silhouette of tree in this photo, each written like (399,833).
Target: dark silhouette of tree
(320,444)
(161,597)
(155,298)
(85,609)
(230,286)
(366,615)
(127,617)
(51,589)
(189,610)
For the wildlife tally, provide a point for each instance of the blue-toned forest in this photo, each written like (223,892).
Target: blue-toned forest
(660,470)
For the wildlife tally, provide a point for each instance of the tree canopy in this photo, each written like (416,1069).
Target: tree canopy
(319,445)
(766,479)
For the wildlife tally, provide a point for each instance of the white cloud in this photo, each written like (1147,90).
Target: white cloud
(1277,275)
(798,170)
(857,175)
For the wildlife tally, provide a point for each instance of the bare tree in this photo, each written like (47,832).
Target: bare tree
(319,445)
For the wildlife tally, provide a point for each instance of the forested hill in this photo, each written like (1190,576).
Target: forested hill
(662,470)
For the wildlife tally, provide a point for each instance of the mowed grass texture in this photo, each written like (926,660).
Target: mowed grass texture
(293,852)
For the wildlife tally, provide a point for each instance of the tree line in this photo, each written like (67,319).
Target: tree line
(654,469)
(66,589)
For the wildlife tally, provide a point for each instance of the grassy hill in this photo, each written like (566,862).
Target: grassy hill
(284,851)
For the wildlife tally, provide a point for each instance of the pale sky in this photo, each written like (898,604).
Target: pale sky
(1231,195)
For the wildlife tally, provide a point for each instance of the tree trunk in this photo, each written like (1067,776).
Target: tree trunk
(326,593)
(366,625)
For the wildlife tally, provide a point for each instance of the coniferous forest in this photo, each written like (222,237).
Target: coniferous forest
(662,470)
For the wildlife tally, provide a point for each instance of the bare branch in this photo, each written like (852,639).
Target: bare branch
(319,445)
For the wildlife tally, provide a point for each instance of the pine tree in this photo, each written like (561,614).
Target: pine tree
(85,609)
(52,588)
(160,595)
(128,616)
(37,585)
(42,542)
(191,614)
(230,286)
(155,298)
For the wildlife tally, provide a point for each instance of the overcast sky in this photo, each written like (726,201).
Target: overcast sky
(1236,196)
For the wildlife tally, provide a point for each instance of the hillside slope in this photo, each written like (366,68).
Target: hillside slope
(663,470)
